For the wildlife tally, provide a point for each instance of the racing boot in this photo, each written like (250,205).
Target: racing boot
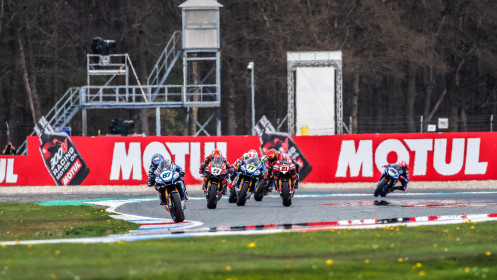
(297,181)
(184,194)
(269,187)
(225,186)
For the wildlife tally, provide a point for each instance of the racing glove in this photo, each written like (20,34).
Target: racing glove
(150,181)
(201,169)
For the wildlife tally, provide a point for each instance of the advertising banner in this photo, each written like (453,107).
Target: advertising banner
(117,160)
(61,158)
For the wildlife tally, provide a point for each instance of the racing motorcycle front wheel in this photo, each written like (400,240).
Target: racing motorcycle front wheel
(177,213)
(212,196)
(285,194)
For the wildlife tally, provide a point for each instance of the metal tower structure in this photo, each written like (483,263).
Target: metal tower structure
(108,77)
(201,62)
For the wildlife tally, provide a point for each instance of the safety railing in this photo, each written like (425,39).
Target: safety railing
(166,61)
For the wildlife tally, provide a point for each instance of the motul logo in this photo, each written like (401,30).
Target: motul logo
(72,171)
(464,152)
(7,171)
(129,162)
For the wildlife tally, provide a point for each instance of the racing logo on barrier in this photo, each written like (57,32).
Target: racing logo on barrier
(283,143)
(61,158)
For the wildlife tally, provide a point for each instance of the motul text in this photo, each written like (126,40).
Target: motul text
(128,161)
(7,171)
(464,152)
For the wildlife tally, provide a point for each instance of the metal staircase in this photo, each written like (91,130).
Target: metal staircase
(165,63)
(60,114)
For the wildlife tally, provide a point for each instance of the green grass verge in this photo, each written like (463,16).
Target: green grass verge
(25,221)
(463,251)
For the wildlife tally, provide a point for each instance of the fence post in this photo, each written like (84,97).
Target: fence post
(350,124)
(491,122)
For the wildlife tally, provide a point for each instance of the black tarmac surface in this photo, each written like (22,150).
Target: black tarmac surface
(310,208)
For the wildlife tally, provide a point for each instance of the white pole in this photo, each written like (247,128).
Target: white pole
(250,67)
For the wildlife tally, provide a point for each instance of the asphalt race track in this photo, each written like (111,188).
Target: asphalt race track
(309,211)
(322,208)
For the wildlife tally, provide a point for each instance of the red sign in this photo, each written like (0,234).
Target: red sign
(342,158)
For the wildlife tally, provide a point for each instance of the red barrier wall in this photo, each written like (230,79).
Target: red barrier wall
(344,158)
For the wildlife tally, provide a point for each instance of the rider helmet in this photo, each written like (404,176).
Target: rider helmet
(403,164)
(216,153)
(253,153)
(156,159)
(271,155)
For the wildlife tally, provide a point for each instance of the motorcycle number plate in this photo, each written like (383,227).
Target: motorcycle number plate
(284,168)
(251,168)
(167,175)
(215,171)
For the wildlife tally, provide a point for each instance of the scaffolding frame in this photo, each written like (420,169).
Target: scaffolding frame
(314,59)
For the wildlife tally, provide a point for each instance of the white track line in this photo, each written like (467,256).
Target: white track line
(164,228)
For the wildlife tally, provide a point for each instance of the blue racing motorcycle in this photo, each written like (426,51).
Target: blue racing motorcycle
(168,179)
(390,177)
(251,171)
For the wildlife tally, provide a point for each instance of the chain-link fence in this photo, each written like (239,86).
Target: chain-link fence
(369,124)
(15,132)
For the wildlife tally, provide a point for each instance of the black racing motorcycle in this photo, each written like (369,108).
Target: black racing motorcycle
(216,172)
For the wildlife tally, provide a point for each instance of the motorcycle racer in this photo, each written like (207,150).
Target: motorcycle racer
(239,161)
(216,153)
(403,168)
(251,153)
(155,162)
(272,157)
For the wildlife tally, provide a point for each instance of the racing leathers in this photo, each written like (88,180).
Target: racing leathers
(205,164)
(404,174)
(237,167)
(270,169)
(152,175)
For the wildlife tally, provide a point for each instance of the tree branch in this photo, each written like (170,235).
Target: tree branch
(22,61)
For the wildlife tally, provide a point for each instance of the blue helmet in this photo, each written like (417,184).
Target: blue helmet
(156,159)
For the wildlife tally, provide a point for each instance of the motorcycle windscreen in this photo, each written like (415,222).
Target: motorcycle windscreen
(163,166)
(217,162)
(253,161)
(284,161)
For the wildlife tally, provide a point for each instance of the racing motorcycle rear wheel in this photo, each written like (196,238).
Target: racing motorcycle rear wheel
(212,196)
(232,198)
(259,191)
(242,196)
